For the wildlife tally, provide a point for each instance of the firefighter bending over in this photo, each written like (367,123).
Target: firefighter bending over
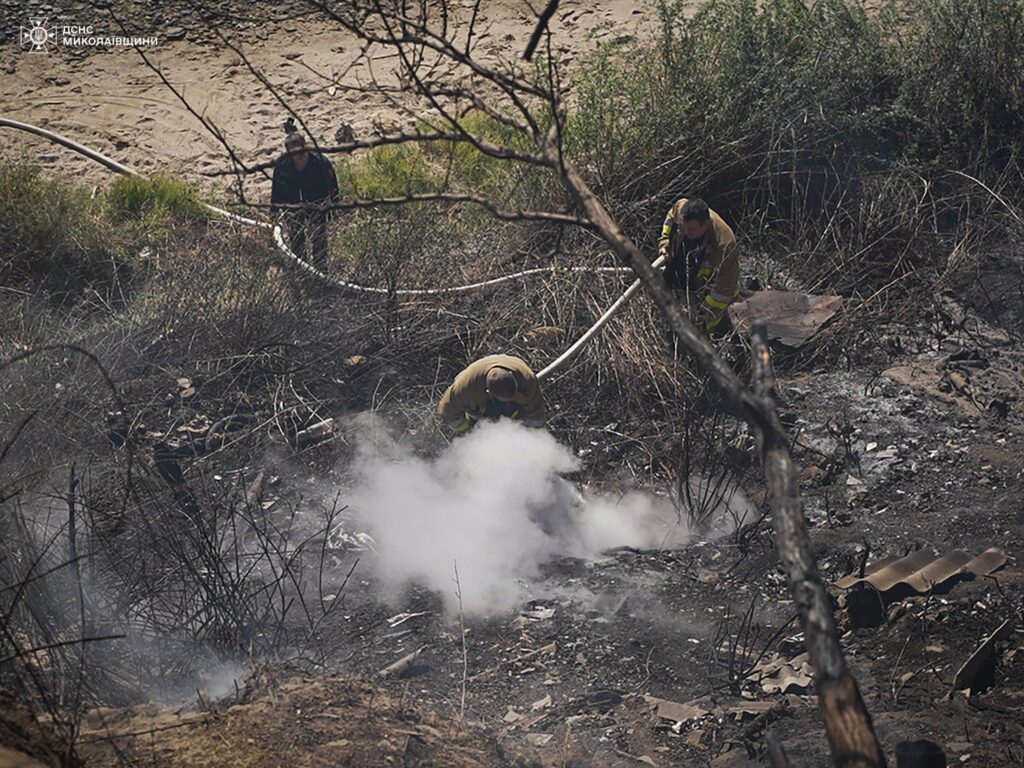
(494,387)
(703,259)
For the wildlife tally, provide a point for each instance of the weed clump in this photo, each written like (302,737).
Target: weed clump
(155,199)
(51,233)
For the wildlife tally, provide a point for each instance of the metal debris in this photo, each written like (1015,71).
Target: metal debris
(923,572)
(978,672)
(401,618)
(404,666)
(675,711)
(782,675)
(791,318)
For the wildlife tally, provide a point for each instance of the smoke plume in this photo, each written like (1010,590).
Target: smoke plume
(493,504)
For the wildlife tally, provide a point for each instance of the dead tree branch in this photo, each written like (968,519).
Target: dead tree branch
(542,25)
(847,721)
(554,217)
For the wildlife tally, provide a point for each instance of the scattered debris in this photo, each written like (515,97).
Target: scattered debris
(538,739)
(604,698)
(675,711)
(544,650)
(405,666)
(645,759)
(920,572)
(978,672)
(541,704)
(781,675)
(339,538)
(315,433)
(753,709)
(401,618)
(540,613)
(791,318)
(185,388)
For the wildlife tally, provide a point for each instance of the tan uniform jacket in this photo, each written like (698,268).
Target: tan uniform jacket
(721,264)
(468,393)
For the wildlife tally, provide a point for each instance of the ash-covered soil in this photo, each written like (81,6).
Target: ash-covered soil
(912,454)
(918,447)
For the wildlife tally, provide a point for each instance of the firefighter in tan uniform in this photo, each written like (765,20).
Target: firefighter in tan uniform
(702,259)
(497,386)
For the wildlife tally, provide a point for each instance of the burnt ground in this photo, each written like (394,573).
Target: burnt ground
(919,447)
(919,450)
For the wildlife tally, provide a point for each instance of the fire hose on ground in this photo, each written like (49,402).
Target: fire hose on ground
(279,242)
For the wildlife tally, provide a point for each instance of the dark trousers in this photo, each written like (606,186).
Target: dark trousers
(307,230)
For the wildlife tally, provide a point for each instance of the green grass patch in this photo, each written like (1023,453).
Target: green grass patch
(51,233)
(156,199)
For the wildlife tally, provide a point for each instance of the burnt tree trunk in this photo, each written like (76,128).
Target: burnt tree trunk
(850,731)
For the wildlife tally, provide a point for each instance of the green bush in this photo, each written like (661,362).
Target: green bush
(803,123)
(383,243)
(456,167)
(824,83)
(962,66)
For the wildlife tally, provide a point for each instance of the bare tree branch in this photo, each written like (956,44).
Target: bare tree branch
(847,722)
(493,150)
(555,217)
(542,25)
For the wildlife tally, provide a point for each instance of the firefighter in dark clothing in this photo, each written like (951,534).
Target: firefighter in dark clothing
(304,184)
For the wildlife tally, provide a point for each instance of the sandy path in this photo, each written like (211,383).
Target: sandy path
(112,101)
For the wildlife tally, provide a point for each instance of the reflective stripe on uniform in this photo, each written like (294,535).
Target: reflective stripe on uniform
(666,228)
(716,303)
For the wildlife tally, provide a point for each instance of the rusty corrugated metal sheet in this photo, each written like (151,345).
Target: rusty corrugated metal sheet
(922,571)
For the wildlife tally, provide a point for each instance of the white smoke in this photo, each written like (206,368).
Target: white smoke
(480,504)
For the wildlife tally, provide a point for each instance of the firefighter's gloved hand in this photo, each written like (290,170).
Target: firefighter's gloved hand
(465,425)
(528,423)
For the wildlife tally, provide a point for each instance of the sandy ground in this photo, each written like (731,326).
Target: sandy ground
(112,101)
